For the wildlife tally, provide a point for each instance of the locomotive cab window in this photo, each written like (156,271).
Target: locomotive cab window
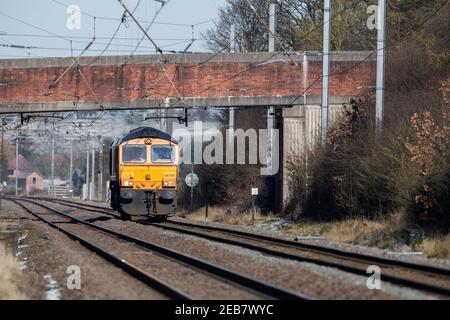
(163,154)
(134,153)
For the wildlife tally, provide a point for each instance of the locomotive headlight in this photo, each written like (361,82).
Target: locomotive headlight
(128,183)
(168,183)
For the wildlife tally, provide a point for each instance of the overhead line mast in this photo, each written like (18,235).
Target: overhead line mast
(157,48)
(271,109)
(379,109)
(325,71)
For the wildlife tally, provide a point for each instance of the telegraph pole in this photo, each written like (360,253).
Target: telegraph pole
(325,70)
(164,115)
(17,164)
(272,26)
(231,110)
(1,161)
(1,153)
(379,109)
(100,175)
(192,186)
(52,178)
(71,166)
(233,38)
(87,172)
(92,194)
(271,110)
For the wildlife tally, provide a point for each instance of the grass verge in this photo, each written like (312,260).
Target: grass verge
(228,216)
(10,274)
(392,232)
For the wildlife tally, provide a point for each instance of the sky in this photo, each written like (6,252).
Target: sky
(46,26)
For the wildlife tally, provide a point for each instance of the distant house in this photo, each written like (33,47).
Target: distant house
(34,182)
(28,181)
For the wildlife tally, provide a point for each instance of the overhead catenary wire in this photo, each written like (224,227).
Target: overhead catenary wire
(23,48)
(352,67)
(234,76)
(349,69)
(163,4)
(106,49)
(301,38)
(319,78)
(72,49)
(76,61)
(71,38)
(29,35)
(73,61)
(165,23)
(122,21)
(418,27)
(34,26)
(157,48)
(54,83)
(276,36)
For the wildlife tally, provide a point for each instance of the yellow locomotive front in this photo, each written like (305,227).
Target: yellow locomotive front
(144,173)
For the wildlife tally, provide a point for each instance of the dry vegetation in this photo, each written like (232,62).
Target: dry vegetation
(391,232)
(437,247)
(388,190)
(229,184)
(227,216)
(392,193)
(9,274)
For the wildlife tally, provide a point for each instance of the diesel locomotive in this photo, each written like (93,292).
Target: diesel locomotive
(144,167)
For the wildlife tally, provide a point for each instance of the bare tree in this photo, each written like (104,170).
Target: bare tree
(299,25)
(251,34)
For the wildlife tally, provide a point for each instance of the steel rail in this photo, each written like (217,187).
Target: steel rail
(322,249)
(134,271)
(348,268)
(241,280)
(289,243)
(360,258)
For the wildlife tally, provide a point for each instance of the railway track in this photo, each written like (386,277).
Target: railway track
(418,276)
(130,269)
(239,281)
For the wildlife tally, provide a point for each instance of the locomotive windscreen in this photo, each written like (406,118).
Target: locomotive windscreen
(136,153)
(163,154)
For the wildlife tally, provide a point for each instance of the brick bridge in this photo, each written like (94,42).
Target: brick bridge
(191,80)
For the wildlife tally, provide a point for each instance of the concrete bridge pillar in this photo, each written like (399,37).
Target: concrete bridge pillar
(301,132)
